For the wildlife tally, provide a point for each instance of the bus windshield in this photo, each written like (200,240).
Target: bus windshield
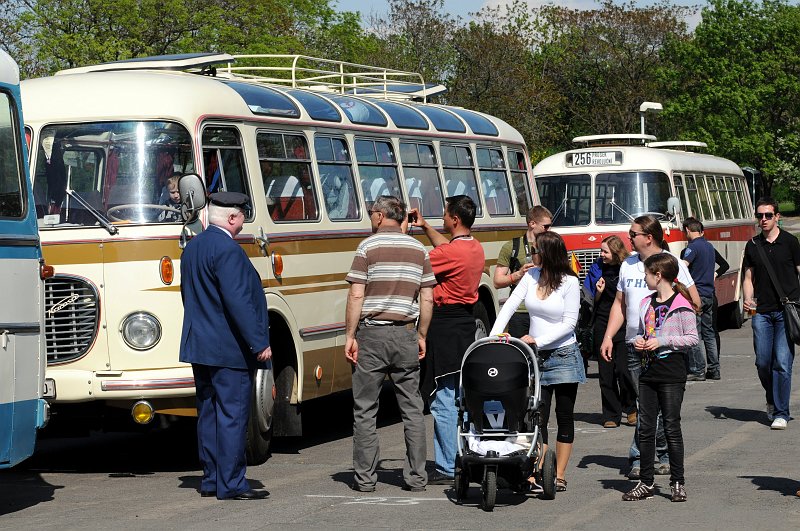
(634,193)
(11,190)
(122,170)
(568,197)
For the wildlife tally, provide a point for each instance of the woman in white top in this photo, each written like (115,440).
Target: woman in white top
(551,294)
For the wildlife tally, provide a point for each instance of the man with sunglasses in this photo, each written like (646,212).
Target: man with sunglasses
(516,257)
(774,352)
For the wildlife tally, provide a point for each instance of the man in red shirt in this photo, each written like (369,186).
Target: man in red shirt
(458,264)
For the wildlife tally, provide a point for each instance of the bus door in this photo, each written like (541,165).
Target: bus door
(22,355)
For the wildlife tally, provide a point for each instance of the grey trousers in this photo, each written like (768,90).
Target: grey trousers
(392,351)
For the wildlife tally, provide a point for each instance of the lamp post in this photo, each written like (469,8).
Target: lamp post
(648,106)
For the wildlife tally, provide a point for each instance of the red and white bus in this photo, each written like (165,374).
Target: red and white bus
(597,190)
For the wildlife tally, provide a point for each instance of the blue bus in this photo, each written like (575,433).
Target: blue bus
(23,408)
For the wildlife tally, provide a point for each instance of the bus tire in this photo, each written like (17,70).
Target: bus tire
(482,325)
(260,421)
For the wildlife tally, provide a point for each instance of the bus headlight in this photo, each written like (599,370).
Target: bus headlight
(141,330)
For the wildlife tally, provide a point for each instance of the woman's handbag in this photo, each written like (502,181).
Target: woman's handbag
(791,313)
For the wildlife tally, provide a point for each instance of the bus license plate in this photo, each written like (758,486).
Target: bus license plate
(49,388)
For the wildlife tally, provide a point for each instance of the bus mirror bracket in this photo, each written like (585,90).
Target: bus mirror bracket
(193,196)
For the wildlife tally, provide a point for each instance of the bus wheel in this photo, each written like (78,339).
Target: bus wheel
(259,425)
(482,326)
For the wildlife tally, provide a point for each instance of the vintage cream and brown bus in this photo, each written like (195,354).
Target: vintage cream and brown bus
(312,142)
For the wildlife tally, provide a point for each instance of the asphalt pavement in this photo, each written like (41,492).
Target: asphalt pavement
(739,474)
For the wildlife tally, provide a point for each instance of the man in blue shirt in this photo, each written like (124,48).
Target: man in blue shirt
(699,257)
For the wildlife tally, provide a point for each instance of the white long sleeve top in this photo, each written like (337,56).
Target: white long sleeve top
(552,319)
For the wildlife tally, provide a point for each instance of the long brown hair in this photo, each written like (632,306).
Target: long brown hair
(618,250)
(667,265)
(555,263)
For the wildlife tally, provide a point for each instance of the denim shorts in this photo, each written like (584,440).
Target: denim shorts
(563,365)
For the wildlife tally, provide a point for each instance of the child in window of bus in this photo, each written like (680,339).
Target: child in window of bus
(173,201)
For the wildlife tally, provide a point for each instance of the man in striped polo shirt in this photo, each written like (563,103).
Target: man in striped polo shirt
(389,308)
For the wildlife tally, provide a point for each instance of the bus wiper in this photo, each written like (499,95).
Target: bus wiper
(100,217)
(614,204)
(561,206)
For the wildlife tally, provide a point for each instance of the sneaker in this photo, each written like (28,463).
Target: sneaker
(634,473)
(778,424)
(662,469)
(712,376)
(770,412)
(678,492)
(639,492)
(411,488)
(437,478)
(696,378)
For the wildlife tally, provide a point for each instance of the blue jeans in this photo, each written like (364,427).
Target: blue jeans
(774,358)
(706,349)
(635,369)
(445,424)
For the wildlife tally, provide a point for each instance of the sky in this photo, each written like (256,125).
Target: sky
(464,7)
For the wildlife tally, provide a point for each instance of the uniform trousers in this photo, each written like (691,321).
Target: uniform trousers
(223,409)
(392,351)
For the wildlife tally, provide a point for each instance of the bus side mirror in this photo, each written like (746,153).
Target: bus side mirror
(193,196)
(674,206)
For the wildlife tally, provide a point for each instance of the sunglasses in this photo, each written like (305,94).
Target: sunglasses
(632,234)
(547,226)
(765,215)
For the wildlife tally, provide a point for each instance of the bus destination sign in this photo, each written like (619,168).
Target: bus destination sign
(594,158)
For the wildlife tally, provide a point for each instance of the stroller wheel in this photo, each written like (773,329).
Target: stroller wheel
(461,484)
(549,474)
(489,489)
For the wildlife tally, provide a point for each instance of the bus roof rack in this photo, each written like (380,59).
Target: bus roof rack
(624,139)
(326,75)
(197,62)
(683,145)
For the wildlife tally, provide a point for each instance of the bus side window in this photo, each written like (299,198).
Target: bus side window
(421,176)
(519,180)
(286,173)
(459,173)
(336,176)
(377,167)
(492,170)
(223,160)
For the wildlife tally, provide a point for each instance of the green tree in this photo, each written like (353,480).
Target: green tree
(46,35)
(736,86)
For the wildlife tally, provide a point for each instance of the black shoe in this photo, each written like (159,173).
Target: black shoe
(250,495)
(696,378)
(712,376)
(437,478)
(362,488)
(208,493)
(409,488)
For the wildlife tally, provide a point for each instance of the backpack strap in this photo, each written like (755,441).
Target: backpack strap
(513,262)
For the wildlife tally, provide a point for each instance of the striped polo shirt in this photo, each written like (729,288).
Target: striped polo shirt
(394,266)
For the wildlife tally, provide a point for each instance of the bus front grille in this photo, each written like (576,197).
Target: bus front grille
(585,258)
(71,318)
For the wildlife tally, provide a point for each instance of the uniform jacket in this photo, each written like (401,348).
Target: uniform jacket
(224,309)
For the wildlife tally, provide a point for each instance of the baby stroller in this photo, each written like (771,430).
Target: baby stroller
(499,441)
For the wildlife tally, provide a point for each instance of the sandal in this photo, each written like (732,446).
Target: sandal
(561,485)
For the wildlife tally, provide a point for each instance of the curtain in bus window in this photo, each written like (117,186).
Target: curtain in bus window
(568,197)
(377,169)
(120,169)
(286,172)
(422,179)
(624,195)
(336,176)
(459,175)
(11,189)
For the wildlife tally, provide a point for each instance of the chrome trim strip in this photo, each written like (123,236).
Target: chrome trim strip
(136,385)
(21,328)
(19,240)
(322,329)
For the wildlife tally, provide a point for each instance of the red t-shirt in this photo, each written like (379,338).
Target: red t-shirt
(458,266)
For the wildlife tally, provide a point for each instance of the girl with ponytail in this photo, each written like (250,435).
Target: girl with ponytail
(667,329)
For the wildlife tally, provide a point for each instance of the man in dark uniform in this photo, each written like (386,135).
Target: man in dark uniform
(225,336)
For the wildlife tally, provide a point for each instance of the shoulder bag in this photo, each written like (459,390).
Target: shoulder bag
(791,315)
